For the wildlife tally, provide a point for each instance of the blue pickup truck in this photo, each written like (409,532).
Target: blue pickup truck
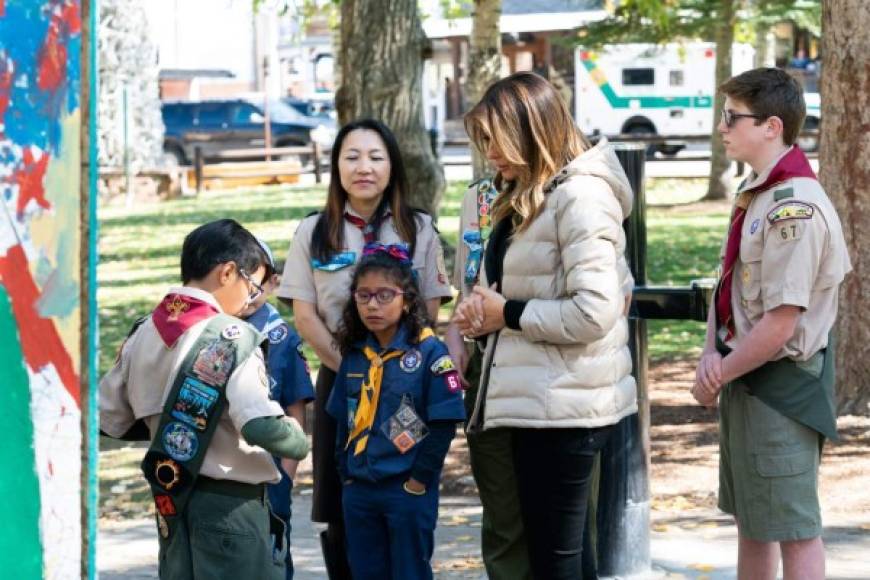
(220,125)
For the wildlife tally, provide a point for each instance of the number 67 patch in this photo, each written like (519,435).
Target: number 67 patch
(789,230)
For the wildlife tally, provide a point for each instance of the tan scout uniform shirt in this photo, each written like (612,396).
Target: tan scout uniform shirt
(138,384)
(792,251)
(330,291)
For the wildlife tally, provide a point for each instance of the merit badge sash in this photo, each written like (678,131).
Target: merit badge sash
(190,415)
(476,239)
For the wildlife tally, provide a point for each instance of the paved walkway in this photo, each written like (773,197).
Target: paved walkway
(701,545)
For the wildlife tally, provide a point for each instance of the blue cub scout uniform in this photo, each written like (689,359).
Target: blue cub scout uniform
(289,382)
(420,377)
(391,532)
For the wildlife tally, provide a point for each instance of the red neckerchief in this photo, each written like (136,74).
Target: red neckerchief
(367,228)
(177,313)
(792,164)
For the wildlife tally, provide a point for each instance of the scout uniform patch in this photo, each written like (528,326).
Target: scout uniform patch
(476,237)
(754,227)
(454,385)
(180,441)
(215,362)
(164,505)
(411,361)
(335,263)
(442,366)
(278,334)
(194,403)
(790,210)
(405,428)
(162,526)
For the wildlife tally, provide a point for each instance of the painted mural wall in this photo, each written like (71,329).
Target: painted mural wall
(40,165)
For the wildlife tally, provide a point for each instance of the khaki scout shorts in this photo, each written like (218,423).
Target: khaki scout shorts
(768,470)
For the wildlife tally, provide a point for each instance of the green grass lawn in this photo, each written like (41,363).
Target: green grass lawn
(139,248)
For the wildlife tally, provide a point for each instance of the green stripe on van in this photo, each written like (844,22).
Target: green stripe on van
(618,102)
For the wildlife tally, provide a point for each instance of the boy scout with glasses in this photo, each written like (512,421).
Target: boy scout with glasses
(191,380)
(769,356)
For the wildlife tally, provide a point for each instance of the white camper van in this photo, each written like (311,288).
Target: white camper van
(650,89)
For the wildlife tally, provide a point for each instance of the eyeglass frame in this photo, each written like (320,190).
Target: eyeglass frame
(374,295)
(258,290)
(730,118)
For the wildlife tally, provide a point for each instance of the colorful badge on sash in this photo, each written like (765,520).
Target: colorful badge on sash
(411,360)
(194,403)
(180,441)
(405,428)
(168,474)
(443,365)
(215,362)
(472,239)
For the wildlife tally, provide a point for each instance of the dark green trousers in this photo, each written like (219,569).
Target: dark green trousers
(503,543)
(222,537)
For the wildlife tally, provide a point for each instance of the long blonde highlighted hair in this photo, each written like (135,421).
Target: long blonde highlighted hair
(528,123)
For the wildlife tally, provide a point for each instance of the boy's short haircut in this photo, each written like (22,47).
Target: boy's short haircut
(770,92)
(216,243)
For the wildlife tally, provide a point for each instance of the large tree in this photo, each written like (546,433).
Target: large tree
(383,47)
(845,173)
(484,61)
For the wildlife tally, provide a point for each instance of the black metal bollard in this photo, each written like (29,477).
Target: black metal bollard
(623,510)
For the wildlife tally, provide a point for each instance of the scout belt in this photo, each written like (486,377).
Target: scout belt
(190,415)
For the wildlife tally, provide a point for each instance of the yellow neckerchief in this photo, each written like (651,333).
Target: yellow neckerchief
(371,394)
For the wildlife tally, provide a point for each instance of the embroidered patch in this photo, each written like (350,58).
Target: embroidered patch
(215,362)
(335,263)
(454,385)
(443,365)
(165,505)
(355,375)
(180,441)
(278,334)
(352,405)
(781,194)
(194,403)
(754,227)
(790,231)
(232,332)
(790,210)
(747,276)
(162,526)
(411,361)
(167,473)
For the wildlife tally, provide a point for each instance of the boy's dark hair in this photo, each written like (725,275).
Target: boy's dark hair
(216,243)
(352,330)
(770,92)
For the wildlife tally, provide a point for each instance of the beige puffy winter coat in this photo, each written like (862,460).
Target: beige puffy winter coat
(570,365)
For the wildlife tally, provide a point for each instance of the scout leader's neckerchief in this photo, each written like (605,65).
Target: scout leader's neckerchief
(176,313)
(476,240)
(368,229)
(191,413)
(370,394)
(792,164)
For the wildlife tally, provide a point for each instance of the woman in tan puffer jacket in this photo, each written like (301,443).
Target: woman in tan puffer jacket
(551,304)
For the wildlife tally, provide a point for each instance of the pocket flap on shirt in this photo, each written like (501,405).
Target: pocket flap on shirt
(784,465)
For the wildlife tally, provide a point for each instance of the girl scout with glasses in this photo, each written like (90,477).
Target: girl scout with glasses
(396,400)
(366,202)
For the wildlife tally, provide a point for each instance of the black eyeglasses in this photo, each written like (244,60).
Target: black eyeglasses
(382,295)
(257,291)
(730,117)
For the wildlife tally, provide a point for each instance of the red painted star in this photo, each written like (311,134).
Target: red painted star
(29,177)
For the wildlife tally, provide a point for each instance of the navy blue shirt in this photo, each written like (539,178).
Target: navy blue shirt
(424,376)
(289,382)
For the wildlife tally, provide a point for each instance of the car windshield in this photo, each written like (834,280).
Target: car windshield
(283,113)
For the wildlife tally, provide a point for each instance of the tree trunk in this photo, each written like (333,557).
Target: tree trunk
(845,174)
(382,51)
(719,182)
(484,63)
